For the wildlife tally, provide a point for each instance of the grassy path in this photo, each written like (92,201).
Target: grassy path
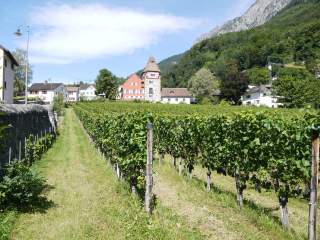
(216,213)
(89,202)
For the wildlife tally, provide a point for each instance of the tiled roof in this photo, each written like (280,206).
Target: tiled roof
(261,89)
(44,86)
(86,86)
(175,92)
(151,66)
(72,89)
(8,53)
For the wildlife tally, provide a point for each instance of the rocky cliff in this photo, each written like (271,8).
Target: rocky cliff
(259,13)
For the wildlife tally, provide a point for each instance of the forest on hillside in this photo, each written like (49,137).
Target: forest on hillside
(291,38)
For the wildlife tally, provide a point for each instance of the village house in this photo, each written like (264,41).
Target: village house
(88,92)
(72,93)
(7,64)
(132,89)
(46,92)
(148,87)
(176,96)
(260,96)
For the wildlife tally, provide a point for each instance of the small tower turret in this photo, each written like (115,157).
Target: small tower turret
(151,76)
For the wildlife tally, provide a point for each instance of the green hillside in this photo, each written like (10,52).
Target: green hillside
(290,37)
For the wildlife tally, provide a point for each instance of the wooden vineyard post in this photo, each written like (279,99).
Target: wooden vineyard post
(149,178)
(19,150)
(10,153)
(314,186)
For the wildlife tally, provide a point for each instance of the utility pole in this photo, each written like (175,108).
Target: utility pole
(19,34)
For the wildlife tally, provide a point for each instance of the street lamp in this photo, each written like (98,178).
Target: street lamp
(18,33)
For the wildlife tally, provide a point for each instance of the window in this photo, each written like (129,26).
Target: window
(44,92)
(152,75)
(130,91)
(177,99)
(183,99)
(12,66)
(248,96)
(5,62)
(150,82)
(151,91)
(169,99)
(5,84)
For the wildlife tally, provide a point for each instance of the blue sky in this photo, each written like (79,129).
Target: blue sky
(72,39)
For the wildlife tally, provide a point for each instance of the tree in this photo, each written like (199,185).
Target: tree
(106,84)
(297,88)
(20,72)
(234,83)
(203,84)
(258,75)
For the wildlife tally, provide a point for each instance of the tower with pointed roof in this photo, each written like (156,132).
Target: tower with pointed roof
(151,76)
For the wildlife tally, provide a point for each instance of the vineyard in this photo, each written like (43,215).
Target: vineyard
(269,149)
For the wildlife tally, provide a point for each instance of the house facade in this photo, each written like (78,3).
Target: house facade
(88,92)
(151,78)
(7,64)
(132,89)
(72,94)
(260,96)
(46,92)
(148,87)
(176,96)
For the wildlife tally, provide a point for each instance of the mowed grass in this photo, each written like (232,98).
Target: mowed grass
(298,208)
(89,203)
(216,213)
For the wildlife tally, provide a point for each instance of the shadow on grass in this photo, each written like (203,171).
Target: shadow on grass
(39,204)
(249,204)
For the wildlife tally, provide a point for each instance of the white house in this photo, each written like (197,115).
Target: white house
(88,92)
(72,94)
(7,64)
(260,96)
(176,96)
(46,91)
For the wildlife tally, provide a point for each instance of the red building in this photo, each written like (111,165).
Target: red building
(132,89)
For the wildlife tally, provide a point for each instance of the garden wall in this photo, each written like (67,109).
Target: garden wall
(23,121)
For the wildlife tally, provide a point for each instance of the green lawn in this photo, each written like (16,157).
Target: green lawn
(89,203)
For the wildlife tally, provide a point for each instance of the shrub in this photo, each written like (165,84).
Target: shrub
(21,188)
(58,104)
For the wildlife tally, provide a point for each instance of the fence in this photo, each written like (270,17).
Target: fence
(23,121)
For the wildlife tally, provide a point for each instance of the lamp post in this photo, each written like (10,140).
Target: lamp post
(19,34)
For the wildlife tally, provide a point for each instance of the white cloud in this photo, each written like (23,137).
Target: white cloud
(69,33)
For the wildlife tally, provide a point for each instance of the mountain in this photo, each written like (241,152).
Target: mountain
(166,64)
(259,13)
(291,36)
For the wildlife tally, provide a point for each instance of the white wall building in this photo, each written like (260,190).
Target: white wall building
(151,79)
(176,96)
(260,96)
(72,94)
(46,92)
(88,92)
(7,64)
